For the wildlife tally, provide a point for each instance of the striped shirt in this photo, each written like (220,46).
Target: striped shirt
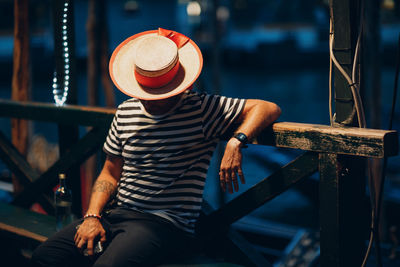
(166,157)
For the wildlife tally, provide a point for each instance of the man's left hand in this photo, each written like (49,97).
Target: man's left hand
(231,166)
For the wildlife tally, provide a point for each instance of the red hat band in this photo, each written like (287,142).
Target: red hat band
(158,81)
(154,80)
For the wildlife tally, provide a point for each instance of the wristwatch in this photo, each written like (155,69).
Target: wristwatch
(242,138)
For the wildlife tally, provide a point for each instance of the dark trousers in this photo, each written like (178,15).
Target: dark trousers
(133,239)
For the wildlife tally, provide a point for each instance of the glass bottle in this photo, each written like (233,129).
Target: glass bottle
(63,203)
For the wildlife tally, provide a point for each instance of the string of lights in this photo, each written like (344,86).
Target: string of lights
(60,91)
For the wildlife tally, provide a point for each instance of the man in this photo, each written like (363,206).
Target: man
(158,151)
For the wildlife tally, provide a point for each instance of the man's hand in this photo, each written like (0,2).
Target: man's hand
(231,166)
(88,231)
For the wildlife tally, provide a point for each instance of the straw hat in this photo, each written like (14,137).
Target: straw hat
(155,64)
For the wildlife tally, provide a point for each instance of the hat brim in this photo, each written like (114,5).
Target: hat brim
(122,64)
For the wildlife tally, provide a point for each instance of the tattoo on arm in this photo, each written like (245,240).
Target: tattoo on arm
(104,186)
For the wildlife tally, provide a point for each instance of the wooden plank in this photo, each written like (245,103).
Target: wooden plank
(343,220)
(321,138)
(21,232)
(86,146)
(68,114)
(22,170)
(25,223)
(267,189)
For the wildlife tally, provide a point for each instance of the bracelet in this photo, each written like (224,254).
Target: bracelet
(88,215)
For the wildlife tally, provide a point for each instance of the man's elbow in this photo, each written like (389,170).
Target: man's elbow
(272,110)
(276,111)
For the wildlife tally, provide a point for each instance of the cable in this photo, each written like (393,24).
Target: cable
(331,119)
(376,212)
(358,108)
(385,160)
(353,85)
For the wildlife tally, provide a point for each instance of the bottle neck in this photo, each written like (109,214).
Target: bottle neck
(62,182)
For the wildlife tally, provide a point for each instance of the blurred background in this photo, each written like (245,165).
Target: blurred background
(275,50)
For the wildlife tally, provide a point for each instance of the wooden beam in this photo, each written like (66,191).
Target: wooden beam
(321,138)
(22,170)
(16,162)
(86,146)
(68,114)
(25,224)
(267,189)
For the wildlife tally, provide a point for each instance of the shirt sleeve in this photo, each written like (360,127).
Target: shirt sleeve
(113,145)
(219,112)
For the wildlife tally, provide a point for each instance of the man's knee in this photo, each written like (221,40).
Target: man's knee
(40,257)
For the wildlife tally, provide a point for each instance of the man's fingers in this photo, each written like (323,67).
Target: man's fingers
(222,180)
(77,240)
(235,183)
(81,243)
(241,176)
(103,238)
(228,181)
(90,247)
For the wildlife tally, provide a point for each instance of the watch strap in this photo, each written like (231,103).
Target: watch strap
(242,138)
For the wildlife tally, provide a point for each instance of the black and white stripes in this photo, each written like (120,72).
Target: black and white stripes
(166,157)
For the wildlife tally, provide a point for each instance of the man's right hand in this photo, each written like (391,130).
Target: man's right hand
(88,231)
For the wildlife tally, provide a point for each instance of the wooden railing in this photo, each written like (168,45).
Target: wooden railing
(338,153)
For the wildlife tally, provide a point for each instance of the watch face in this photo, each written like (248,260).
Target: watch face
(241,137)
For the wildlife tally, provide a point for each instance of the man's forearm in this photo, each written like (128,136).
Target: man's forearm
(106,185)
(257,115)
(101,194)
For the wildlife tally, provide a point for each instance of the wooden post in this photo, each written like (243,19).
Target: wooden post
(21,77)
(342,210)
(342,184)
(68,135)
(92,93)
(98,54)
(97,68)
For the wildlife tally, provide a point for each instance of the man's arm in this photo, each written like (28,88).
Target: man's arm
(256,115)
(103,189)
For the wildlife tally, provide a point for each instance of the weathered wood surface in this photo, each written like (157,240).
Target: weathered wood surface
(25,225)
(256,196)
(320,138)
(68,114)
